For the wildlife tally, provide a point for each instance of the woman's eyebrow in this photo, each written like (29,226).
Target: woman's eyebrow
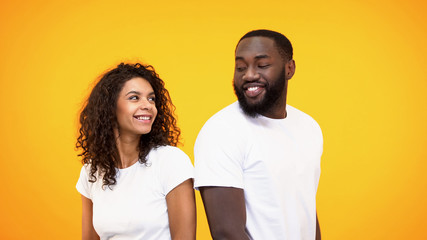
(133,92)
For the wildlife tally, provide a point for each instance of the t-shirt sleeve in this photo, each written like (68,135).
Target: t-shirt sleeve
(218,156)
(175,167)
(83,184)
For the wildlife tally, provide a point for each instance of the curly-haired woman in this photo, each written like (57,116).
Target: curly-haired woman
(135,184)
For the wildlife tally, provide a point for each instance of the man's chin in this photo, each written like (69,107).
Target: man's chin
(255,100)
(251,110)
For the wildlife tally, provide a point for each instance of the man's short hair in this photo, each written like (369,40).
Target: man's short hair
(283,44)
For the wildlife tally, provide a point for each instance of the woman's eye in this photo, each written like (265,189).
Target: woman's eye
(133,97)
(152,99)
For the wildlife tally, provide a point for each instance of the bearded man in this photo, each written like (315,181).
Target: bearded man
(257,161)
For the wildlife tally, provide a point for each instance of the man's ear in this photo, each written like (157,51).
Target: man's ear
(290,69)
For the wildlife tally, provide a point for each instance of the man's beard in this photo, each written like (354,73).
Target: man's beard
(272,95)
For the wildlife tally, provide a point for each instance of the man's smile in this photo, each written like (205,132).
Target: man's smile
(252,90)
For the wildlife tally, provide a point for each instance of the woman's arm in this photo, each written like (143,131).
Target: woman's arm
(88,232)
(182,211)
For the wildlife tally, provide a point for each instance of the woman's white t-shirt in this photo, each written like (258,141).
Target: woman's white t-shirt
(135,208)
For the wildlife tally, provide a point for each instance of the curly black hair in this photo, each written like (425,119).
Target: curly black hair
(98,120)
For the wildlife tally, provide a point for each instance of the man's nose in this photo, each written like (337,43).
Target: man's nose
(251,75)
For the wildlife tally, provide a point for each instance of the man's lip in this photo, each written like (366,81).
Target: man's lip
(254,90)
(254,84)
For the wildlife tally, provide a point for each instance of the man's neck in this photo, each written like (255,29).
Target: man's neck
(278,111)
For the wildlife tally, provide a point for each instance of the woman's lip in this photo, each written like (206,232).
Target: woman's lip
(143,117)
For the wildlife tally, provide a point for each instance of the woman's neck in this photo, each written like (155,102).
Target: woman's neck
(128,149)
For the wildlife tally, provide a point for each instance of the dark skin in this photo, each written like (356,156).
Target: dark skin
(318,236)
(227,218)
(257,59)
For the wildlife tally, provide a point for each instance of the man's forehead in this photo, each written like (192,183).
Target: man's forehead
(256,46)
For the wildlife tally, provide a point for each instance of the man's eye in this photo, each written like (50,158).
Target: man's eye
(240,69)
(263,66)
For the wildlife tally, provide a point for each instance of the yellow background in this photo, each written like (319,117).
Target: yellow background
(361,73)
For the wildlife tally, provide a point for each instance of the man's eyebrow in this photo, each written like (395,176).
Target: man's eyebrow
(256,57)
(262,56)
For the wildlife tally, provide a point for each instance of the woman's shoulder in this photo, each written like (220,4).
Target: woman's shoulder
(85,169)
(86,172)
(166,150)
(168,154)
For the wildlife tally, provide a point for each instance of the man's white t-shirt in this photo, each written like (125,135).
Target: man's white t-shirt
(275,161)
(135,208)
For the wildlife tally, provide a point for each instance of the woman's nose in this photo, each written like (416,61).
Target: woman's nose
(145,104)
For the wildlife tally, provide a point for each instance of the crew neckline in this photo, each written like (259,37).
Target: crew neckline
(127,168)
(288,115)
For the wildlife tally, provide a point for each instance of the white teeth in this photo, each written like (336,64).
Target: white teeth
(143,118)
(252,88)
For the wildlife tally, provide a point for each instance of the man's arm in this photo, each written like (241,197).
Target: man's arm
(226,212)
(318,237)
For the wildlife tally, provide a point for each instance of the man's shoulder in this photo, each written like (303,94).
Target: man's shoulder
(302,119)
(229,121)
(230,115)
(296,113)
